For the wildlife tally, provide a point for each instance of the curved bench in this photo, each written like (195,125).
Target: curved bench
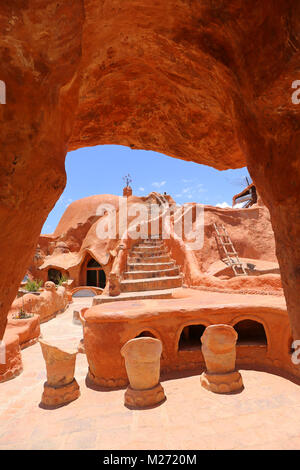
(108,327)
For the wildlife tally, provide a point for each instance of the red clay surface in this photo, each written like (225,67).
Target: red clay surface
(265,415)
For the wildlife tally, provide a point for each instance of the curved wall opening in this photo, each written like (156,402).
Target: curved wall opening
(54,275)
(251,333)
(146,333)
(190,338)
(95,275)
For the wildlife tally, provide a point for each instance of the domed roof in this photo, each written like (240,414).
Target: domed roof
(79,212)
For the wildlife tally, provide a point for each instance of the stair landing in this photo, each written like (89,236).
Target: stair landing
(150,294)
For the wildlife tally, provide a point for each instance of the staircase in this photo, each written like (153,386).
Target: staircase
(150,274)
(231,256)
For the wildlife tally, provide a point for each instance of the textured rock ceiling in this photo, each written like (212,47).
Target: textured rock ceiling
(173,76)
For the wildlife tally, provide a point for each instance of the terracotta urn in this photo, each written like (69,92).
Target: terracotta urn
(218,348)
(142,362)
(219,351)
(61,386)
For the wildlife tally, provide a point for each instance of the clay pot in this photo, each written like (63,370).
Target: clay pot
(142,362)
(60,364)
(218,348)
(219,351)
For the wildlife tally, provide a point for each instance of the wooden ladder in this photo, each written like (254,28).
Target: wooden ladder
(231,256)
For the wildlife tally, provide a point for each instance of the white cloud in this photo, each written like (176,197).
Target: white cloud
(223,205)
(178,195)
(68,202)
(159,184)
(186,190)
(141,189)
(186,181)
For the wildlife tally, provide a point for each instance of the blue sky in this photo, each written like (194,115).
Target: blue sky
(100,170)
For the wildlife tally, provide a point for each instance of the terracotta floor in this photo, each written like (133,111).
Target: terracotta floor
(266,415)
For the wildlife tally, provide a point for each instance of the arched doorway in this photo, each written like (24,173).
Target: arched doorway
(95,275)
(54,275)
(250,332)
(190,338)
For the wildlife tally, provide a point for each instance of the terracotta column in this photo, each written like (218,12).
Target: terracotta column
(282,200)
(219,351)
(114,285)
(142,362)
(272,145)
(61,386)
(68,288)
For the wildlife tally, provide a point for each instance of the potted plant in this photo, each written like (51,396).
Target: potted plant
(22,314)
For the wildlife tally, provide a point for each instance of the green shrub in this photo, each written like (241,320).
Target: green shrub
(62,279)
(33,285)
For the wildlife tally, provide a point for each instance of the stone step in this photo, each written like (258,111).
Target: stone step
(149,259)
(155,239)
(146,284)
(148,254)
(152,244)
(156,294)
(150,266)
(147,274)
(148,248)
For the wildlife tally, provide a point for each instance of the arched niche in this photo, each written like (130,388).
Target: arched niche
(146,333)
(250,333)
(190,337)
